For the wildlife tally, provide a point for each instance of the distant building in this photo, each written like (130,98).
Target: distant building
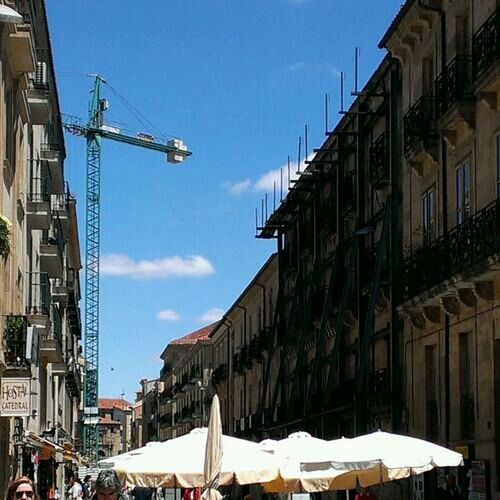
(115,427)
(136,435)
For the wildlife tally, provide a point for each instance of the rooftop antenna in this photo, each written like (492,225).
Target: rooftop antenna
(288,172)
(266,206)
(306,129)
(298,155)
(274,196)
(341,92)
(327,101)
(281,184)
(262,212)
(356,68)
(256,221)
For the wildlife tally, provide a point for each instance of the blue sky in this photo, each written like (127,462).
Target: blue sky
(237,80)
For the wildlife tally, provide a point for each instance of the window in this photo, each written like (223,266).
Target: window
(428,214)
(498,165)
(463,191)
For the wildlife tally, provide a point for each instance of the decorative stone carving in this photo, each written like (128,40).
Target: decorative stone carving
(451,304)
(467,297)
(485,290)
(433,314)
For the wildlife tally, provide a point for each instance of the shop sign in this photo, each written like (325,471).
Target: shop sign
(15,397)
(464,450)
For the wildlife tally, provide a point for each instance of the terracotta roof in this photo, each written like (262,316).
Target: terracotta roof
(194,337)
(110,403)
(108,421)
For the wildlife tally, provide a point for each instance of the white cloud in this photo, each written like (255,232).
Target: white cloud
(168,315)
(238,187)
(311,67)
(192,266)
(212,315)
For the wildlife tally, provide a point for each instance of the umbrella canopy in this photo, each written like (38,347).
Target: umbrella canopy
(379,457)
(290,452)
(180,462)
(111,461)
(213,453)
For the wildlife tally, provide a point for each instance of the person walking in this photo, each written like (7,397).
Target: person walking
(21,489)
(86,487)
(75,488)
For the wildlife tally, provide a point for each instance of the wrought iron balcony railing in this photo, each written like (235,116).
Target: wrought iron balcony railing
(38,300)
(486,45)
(39,189)
(419,122)
(379,159)
(462,248)
(454,85)
(15,338)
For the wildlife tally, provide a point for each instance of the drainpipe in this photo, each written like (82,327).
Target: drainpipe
(229,377)
(444,160)
(244,309)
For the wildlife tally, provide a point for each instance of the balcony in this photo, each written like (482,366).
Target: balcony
(38,210)
(16,353)
(38,300)
(38,89)
(466,250)
(195,374)
(59,291)
(20,49)
(51,341)
(420,137)
(51,155)
(379,161)
(165,370)
(74,379)
(486,47)
(326,217)
(51,256)
(455,102)
(264,339)
(59,206)
(219,374)
(73,318)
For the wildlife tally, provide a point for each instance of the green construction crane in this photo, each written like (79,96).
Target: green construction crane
(94,131)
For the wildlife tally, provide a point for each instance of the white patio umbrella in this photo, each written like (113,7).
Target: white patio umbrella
(379,457)
(290,452)
(213,453)
(111,461)
(180,462)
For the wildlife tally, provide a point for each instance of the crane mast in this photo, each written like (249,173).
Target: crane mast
(94,131)
(92,239)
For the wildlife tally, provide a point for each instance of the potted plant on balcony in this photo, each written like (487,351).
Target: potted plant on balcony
(5,226)
(15,336)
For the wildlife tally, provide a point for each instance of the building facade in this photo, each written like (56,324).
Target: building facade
(448,54)
(115,427)
(39,261)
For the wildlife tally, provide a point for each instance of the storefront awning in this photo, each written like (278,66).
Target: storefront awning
(43,444)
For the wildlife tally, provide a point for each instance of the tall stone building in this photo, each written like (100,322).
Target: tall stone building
(115,427)
(449,53)
(40,325)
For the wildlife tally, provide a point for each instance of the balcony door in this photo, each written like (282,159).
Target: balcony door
(463,191)
(428,215)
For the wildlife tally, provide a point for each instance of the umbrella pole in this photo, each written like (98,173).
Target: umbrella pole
(347,494)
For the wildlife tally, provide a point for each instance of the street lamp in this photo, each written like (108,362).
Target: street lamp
(203,390)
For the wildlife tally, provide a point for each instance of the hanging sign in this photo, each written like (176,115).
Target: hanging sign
(15,397)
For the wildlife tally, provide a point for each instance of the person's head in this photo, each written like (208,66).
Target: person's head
(21,489)
(248,497)
(87,478)
(107,485)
